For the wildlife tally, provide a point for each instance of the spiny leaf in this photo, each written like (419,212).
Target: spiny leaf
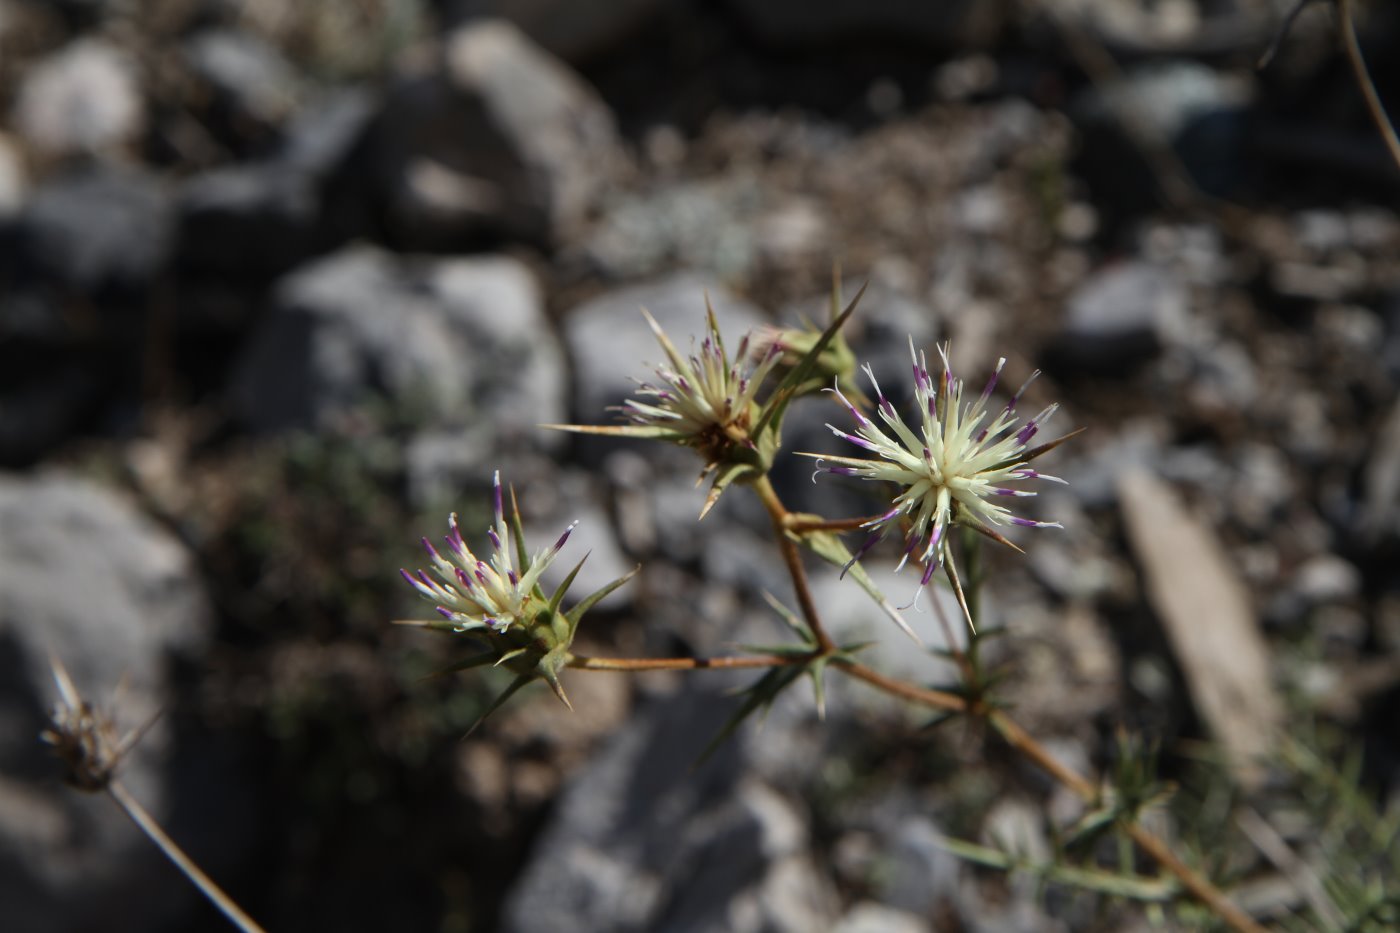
(829,548)
(558,596)
(496,704)
(640,431)
(794,621)
(436,625)
(589,601)
(777,403)
(760,696)
(517,531)
(731,472)
(476,660)
(1135,887)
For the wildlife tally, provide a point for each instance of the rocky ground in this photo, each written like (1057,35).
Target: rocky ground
(283,285)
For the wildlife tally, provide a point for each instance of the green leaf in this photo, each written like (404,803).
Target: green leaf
(829,547)
(760,696)
(729,474)
(496,704)
(558,596)
(777,403)
(476,660)
(589,601)
(1134,887)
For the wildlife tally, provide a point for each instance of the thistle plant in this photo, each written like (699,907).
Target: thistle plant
(951,467)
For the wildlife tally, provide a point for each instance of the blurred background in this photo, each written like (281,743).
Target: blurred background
(282,284)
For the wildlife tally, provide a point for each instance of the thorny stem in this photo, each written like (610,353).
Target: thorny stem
(147,824)
(778,514)
(937,699)
(583,663)
(1363,80)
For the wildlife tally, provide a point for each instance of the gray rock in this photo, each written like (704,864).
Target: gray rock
(869,917)
(593,536)
(503,140)
(85,98)
(1119,318)
(84,575)
(14,181)
(320,137)
(1198,110)
(575,32)
(249,77)
(610,343)
(255,219)
(448,342)
(98,228)
(941,24)
(643,841)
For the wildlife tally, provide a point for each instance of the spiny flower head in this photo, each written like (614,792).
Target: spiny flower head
(704,400)
(707,402)
(498,600)
(951,466)
(494,594)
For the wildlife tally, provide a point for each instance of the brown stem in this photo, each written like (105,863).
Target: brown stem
(1194,882)
(937,699)
(584,663)
(1024,743)
(778,514)
(1363,80)
(147,824)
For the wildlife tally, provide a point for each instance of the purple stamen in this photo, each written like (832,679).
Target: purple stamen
(500,504)
(558,545)
(870,542)
(444,612)
(858,441)
(929,568)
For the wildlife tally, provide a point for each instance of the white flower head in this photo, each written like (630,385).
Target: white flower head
(494,594)
(951,466)
(702,396)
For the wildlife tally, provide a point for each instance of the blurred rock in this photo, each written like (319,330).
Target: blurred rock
(85,98)
(940,24)
(869,917)
(1119,318)
(610,343)
(504,140)
(40,405)
(254,219)
(594,537)
(575,32)
(97,229)
(254,87)
(447,342)
(1204,608)
(321,136)
(1197,111)
(14,181)
(84,575)
(643,839)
